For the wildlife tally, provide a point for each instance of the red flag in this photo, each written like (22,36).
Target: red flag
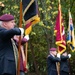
(60,33)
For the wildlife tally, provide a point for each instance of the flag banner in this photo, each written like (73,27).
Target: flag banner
(23,59)
(70,35)
(62,45)
(30,13)
(28,28)
(60,32)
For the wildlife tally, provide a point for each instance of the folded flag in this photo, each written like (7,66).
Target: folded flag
(71,37)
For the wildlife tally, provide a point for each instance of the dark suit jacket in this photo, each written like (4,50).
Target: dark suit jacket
(51,63)
(7,59)
(64,66)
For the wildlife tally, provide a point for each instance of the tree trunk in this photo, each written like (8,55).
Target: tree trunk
(34,61)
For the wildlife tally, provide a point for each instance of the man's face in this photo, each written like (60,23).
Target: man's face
(64,54)
(9,24)
(54,52)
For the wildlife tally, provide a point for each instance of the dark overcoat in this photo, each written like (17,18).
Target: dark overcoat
(51,64)
(64,65)
(7,59)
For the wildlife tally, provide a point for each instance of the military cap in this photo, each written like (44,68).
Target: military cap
(6,17)
(53,49)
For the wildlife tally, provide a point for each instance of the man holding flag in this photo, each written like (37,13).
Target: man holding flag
(22,59)
(60,35)
(8,48)
(51,61)
(31,17)
(64,63)
(60,32)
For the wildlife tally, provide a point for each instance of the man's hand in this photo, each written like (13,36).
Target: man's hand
(26,37)
(58,55)
(69,55)
(22,31)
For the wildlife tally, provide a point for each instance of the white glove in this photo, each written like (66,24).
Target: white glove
(22,31)
(69,55)
(58,55)
(27,37)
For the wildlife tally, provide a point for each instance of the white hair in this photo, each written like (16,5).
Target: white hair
(0,23)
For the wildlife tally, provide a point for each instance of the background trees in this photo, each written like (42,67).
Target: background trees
(41,37)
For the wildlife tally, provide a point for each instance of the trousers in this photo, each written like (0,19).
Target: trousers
(7,74)
(22,73)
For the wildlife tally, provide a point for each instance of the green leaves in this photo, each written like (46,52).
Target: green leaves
(42,38)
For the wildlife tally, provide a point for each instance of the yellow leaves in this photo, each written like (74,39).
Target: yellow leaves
(52,2)
(54,13)
(47,2)
(48,27)
(15,7)
(33,33)
(50,7)
(1,4)
(40,9)
(43,25)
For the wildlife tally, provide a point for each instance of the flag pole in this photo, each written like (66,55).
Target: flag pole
(58,63)
(26,45)
(30,17)
(58,66)
(26,53)
(19,46)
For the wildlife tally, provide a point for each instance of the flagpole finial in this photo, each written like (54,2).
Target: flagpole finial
(59,1)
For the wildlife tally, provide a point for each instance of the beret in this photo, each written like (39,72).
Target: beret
(53,49)
(6,17)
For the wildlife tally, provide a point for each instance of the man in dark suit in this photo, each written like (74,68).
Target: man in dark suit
(23,68)
(8,53)
(64,65)
(51,62)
